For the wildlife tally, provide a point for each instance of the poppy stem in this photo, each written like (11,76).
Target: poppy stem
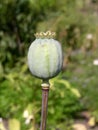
(45,92)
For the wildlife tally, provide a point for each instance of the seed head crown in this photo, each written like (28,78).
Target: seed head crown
(47,34)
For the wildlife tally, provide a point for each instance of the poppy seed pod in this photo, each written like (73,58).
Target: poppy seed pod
(45,56)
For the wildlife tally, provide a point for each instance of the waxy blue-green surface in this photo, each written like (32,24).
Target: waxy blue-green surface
(45,58)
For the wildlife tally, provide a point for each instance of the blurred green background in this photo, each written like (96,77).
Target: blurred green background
(74,93)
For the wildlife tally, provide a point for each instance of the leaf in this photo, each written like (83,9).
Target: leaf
(14,123)
(76,92)
(68,86)
(65,82)
(24,68)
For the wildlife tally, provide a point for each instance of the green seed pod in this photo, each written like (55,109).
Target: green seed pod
(45,56)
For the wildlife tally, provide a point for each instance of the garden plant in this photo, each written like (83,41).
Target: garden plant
(45,60)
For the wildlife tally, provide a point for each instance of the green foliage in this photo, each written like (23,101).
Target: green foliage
(14,84)
(63,95)
(85,78)
(22,17)
(70,23)
(18,89)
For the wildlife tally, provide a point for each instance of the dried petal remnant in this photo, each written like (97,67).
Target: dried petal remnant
(47,34)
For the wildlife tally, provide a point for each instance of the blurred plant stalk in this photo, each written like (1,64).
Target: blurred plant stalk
(45,93)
